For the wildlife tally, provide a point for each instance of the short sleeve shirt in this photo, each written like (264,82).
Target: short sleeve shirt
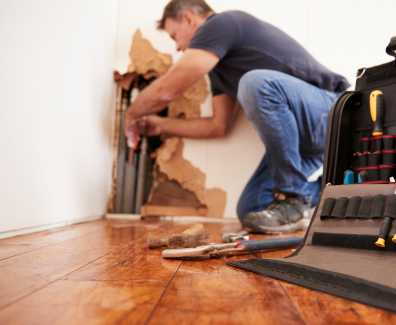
(244,43)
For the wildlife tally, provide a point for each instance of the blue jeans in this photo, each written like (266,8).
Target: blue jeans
(290,117)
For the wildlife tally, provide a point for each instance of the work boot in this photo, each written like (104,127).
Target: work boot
(285,214)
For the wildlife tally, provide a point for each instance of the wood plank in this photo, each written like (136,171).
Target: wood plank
(86,302)
(320,308)
(57,234)
(212,293)
(109,276)
(24,274)
(135,261)
(22,244)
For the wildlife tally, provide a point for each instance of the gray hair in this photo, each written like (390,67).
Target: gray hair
(175,7)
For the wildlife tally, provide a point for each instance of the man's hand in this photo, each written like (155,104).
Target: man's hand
(150,125)
(132,133)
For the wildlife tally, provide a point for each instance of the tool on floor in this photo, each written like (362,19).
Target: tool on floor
(231,249)
(377,112)
(191,237)
(231,237)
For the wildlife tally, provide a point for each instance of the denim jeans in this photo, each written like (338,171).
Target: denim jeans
(290,116)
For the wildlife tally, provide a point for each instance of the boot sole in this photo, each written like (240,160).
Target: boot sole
(291,227)
(301,224)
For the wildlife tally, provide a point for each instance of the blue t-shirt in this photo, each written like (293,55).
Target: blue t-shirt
(243,43)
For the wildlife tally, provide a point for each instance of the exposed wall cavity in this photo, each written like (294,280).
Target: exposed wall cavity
(178,187)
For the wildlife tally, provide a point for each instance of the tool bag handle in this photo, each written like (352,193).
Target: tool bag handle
(391,48)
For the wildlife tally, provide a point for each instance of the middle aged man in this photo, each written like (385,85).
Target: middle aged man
(285,93)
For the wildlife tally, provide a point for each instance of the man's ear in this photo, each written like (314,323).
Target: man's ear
(189,16)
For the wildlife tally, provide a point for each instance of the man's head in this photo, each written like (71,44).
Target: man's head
(181,19)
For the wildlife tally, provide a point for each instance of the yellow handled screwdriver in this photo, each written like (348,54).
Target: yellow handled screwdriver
(377,112)
(384,232)
(389,214)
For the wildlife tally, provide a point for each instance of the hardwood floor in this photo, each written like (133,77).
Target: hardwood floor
(102,273)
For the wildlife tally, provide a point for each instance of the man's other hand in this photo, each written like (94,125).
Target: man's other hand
(150,125)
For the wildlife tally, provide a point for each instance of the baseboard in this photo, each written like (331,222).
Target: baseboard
(176,219)
(30,230)
(123,216)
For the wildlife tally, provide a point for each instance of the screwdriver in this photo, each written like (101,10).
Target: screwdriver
(384,232)
(389,214)
(377,112)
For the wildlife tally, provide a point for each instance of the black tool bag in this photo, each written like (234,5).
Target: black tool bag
(350,246)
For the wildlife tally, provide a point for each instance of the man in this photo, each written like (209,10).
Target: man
(283,90)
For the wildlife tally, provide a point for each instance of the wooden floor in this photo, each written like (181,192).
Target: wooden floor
(101,273)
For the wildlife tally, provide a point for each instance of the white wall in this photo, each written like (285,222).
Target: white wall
(343,35)
(56,93)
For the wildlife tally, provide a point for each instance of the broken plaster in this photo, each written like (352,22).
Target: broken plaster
(146,60)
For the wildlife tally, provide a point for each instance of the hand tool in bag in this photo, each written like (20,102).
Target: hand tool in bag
(191,237)
(231,249)
(349,177)
(389,215)
(377,112)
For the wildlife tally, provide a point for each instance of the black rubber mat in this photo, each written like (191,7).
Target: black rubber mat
(338,284)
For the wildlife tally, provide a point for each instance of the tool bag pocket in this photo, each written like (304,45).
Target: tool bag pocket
(356,219)
(373,158)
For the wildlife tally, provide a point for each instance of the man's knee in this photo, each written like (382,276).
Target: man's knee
(255,86)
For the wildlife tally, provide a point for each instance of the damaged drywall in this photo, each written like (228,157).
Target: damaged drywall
(177,183)
(145,59)
(188,105)
(170,161)
(169,192)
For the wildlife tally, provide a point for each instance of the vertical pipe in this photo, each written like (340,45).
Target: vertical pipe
(115,143)
(129,186)
(121,154)
(141,176)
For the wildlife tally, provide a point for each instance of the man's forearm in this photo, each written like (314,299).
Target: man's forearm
(193,66)
(151,100)
(195,128)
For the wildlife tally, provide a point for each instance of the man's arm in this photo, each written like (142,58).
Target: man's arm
(224,113)
(192,66)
